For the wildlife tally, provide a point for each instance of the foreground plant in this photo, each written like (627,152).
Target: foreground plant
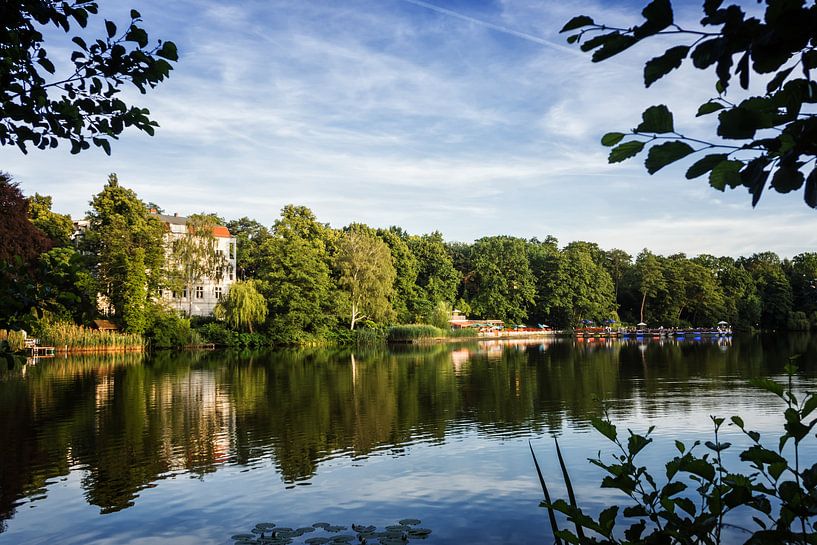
(774,502)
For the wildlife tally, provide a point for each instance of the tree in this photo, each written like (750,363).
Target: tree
(294,270)
(577,287)
(406,268)
(194,256)
(505,284)
(65,285)
(437,279)
(38,106)
(366,276)
(650,277)
(617,262)
(774,134)
(250,237)
(18,236)
(58,227)
(127,244)
(802,275)
(242,306)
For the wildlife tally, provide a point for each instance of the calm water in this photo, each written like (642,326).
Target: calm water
(192,448)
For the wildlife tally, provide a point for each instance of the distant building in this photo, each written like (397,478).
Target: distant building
(206,294)
(459,321)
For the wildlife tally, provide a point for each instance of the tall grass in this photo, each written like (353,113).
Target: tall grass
(67,336)
(412,332)
(16,339)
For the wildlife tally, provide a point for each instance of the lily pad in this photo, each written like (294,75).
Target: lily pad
(316,540)
(409,522)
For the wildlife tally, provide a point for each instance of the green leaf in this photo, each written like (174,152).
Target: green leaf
(738,421)
(611,138)
(607,519)
(47,64)
(809,405)
(636,443)
(708,108)
(726,173)
(613,46)
(656,119)
(625,151)
(761,456)
(740,123)
(680,446)
(769,385)
(699,467)
(138,35)
(111,28)
(662,65)
(663,154)
(658,14)
(604,427)
(168,51)
(135,14)
(577,22)
(810,194)
(787,178)
(597,41)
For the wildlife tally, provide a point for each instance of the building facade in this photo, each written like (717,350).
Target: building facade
(205,294)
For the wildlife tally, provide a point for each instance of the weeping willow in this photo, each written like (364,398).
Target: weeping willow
(242,306)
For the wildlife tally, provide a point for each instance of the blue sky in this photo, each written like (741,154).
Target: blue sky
(469,117)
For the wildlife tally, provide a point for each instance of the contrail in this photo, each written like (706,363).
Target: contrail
(499,28)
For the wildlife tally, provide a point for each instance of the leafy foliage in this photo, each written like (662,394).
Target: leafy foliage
(366,276)
(775,132)
(702,492)
(242,307)
(127,242)
(80,106)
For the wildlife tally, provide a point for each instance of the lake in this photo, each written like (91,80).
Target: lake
(184,448)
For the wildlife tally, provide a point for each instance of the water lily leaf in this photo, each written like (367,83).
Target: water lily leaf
(409,522)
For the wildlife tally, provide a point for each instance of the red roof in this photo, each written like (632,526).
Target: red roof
(221,232)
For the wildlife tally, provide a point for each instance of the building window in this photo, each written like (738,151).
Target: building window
(184,293)
(199,292)
(217,291)
(230,272)
(232,250)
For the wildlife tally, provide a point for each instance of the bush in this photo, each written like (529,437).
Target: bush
(411,332)
(219,334)
(166,329)
(701,493)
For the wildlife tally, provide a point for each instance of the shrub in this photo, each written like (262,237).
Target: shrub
(701,494)
(167,329)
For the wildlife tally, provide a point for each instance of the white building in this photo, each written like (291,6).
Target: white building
(205,294)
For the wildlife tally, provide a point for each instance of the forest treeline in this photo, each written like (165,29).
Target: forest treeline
(314,282)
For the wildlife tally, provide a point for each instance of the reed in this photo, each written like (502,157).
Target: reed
(75,338)
(15,339)
(411,332)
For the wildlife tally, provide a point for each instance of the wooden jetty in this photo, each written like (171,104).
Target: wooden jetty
(33,349)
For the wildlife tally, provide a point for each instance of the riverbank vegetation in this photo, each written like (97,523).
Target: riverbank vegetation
(301,281)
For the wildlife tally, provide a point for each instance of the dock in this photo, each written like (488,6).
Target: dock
(33,349)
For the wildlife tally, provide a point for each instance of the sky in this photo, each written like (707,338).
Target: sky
(470,117)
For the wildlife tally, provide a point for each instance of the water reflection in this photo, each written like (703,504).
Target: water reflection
(125,424)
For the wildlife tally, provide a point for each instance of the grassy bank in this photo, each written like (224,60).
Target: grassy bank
(66,337)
